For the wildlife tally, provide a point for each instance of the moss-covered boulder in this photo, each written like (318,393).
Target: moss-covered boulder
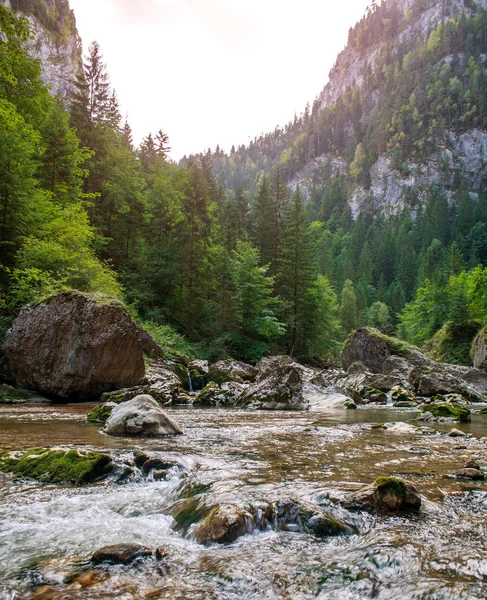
(400,395)
(307,517)
(370,394)
(446,410)
(207,394)
(57,465)
(100,413)
(386,494)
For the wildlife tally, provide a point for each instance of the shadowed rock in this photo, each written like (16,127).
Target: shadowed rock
(74,346)
(121,554)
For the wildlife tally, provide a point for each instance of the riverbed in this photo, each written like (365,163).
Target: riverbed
(49,532)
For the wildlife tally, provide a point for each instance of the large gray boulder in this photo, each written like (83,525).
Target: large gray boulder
(140,416)
(366,347)
(74,346)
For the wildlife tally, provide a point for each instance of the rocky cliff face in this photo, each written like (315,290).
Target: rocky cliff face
(457,156)
(352,63)
(55,43)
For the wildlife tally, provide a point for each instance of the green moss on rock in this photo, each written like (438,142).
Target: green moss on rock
(100,413)
(447,410)
(56,466)
(391,484)
(453,343)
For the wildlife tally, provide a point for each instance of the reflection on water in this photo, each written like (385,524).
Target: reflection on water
(45,531)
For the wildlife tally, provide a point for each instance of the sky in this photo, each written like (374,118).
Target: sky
(215,72)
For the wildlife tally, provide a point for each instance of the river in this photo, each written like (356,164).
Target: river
(48,532)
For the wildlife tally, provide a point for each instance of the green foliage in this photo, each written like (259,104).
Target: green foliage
(348,307)
(258,325)
(453,342)
(99,414)
(174,344)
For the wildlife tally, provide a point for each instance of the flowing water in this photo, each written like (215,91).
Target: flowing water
(48,532)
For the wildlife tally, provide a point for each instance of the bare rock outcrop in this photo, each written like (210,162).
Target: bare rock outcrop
(74,346)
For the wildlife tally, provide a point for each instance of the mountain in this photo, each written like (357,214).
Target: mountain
(55,42)
(404,110)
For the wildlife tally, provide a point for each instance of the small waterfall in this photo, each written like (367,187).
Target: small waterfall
(190,383)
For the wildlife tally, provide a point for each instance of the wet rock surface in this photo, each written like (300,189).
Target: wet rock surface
(57,465)
(74,346)
(387,494)
(141,416)
(121,554)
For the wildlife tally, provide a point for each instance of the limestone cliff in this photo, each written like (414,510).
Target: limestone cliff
(452,155)
(55,41)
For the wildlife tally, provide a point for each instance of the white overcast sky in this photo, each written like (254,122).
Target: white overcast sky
(211,72)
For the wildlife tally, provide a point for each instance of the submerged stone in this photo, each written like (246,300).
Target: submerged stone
(121,554)
(56,466)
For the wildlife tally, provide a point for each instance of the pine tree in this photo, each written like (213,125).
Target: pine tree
(348,307)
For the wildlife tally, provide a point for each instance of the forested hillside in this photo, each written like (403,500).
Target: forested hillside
(391,161)
(252,252)
(82,208)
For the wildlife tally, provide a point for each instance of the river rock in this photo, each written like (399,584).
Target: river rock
(225,395)
(270,363)
(11,395)
(444,410)
(281,389)
(299,516)
(149,345)
(408,366)
(231,370)
(57,465)
(140,416)
(75,346)
(367,346)
(121,554)
(474,474)
(161,382)
(223,524)
(387,494)
(100,413)
(456,433)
